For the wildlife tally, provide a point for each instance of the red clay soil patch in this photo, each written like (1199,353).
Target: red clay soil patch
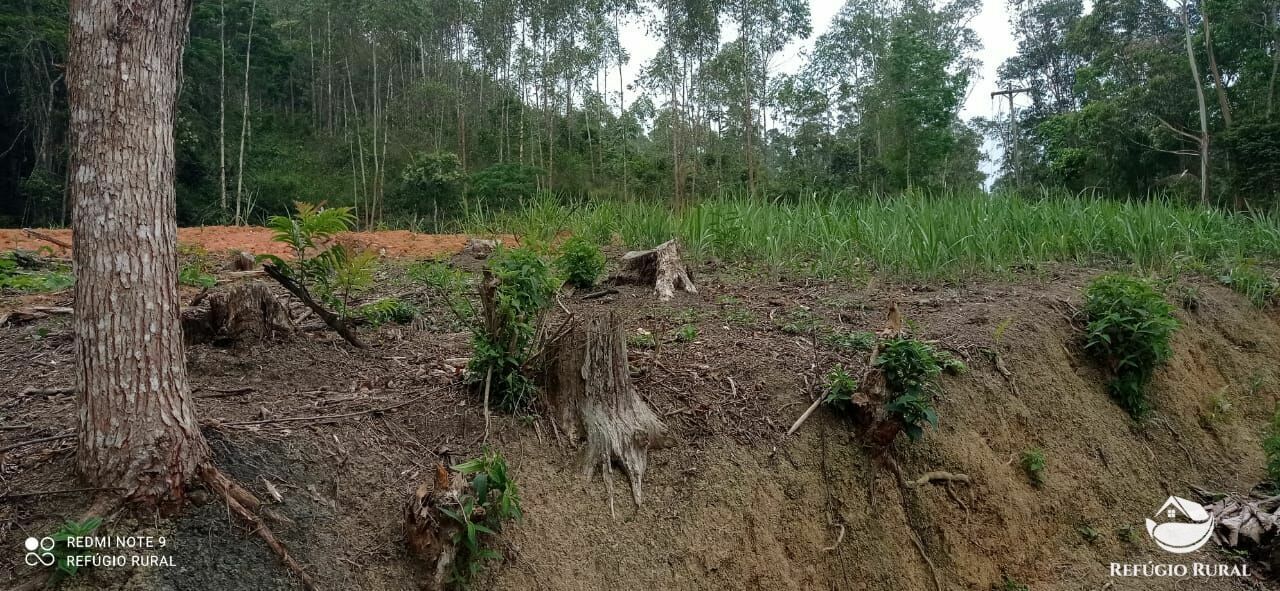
(257,240)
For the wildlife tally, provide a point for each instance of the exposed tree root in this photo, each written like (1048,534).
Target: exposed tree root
(937,476)
(245,505)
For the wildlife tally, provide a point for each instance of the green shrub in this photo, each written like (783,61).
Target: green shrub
(388,310)
(581,262)
(1129,328)
(431,185)
(523,286)
(1033,463)
(490,500)
(910,367)
(840,389)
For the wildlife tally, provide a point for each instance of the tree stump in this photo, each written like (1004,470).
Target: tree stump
(660,267)
(591,398)
(429,533)
(246,312)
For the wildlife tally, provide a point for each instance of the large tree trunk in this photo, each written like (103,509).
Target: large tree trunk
(138,429)
(591,398)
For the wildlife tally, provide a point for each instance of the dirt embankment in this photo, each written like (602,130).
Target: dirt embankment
(734,504)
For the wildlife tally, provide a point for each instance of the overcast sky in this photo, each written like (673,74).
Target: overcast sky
(991,25)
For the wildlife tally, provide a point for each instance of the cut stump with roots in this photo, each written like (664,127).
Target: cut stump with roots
(660,267)
(590,396)
(247,312)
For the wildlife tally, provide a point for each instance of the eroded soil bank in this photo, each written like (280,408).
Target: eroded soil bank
(734,504)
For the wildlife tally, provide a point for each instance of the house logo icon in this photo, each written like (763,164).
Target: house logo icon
(1186,528)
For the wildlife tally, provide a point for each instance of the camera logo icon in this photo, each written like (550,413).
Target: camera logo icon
(40,552)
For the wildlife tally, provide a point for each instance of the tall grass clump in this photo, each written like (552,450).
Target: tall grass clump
(1129,328)
(915,234)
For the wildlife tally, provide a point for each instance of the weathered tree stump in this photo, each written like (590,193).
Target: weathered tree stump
(429,533)
(246,312)
(590,396)
(660,267)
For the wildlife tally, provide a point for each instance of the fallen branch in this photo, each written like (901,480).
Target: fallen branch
(300,291)
(32,313)
(803,417)
(35,441)
(599,294)
(46,238)
(245,506)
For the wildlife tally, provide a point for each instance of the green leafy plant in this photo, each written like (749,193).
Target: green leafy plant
(910,367)
(65,565)
(687,333)
(1089,534)
(193,276)
(388,310)
(26,272)
(1129,327)
(490,500)
(517,289)
(1033,463)
(331,272)
(581,262)
(840,389)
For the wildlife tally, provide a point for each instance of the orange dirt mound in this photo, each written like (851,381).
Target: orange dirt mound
(257,240)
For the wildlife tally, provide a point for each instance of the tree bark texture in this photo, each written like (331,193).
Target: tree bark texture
(138,428)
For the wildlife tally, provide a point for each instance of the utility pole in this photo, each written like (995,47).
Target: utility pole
(1013,129)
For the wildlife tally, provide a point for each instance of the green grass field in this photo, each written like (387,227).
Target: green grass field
(918,236)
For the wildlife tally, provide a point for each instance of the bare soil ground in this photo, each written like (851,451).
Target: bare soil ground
(734,504)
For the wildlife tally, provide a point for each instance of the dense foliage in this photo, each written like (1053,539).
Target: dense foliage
(417,113)
(1113,97)
(580,262)
(1129,328)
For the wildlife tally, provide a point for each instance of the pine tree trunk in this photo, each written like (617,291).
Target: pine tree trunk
(138,429)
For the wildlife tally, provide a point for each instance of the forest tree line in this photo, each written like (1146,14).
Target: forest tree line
(413,110)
